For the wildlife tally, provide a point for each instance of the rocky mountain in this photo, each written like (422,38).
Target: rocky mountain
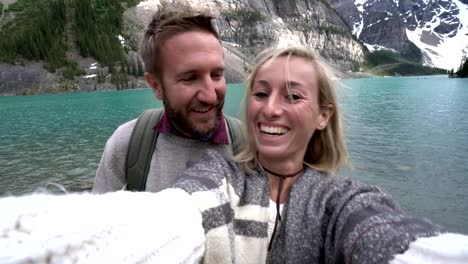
(309,22)
(439,28)
(245,26)
(342,31)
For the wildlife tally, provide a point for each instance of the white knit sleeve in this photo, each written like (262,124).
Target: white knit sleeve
(447,248)
(118,227)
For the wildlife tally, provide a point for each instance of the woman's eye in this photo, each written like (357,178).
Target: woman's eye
(260,94)
(293,97)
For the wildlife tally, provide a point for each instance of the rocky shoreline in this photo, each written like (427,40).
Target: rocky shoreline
(32,79)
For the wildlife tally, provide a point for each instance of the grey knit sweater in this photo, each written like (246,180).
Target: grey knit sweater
(325,220)
(169,159)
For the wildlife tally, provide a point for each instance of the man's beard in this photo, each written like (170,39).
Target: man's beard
(183,123)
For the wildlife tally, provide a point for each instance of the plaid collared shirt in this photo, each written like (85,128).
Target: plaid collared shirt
(219,136)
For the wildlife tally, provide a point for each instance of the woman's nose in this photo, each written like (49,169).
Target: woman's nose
(273,106)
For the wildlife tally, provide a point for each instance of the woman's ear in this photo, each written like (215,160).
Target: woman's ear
(325,114)
(152,80)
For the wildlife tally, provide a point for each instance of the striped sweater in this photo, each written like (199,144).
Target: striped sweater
(325,220)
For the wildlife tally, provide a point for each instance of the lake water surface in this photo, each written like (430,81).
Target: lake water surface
(408,135)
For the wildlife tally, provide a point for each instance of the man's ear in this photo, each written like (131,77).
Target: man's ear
(325,114)
(155,85)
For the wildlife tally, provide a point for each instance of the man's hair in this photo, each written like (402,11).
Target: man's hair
(326,150)
(167,22)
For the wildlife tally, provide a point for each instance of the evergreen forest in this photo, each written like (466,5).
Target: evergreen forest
(462,71)
(44,30)
(385,62)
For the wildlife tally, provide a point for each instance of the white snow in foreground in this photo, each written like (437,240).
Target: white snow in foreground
(449,52)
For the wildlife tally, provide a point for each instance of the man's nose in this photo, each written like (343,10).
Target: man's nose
(207,93)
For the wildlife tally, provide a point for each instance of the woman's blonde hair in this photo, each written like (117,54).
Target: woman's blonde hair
(327,149)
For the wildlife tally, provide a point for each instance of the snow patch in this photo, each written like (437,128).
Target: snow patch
(90,76)
(279,20)
(358,26)
(375,47)
(448,52)
(360,4)
(122,41)
(149,3)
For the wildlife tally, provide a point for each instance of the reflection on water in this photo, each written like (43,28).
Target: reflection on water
(407,135)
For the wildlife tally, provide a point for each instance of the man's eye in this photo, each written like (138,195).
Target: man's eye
(189,78)
(217,75)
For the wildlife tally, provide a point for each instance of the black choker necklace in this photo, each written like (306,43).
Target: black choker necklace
(282,175)
(280,187)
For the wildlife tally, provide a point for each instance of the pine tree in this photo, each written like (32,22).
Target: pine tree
(141,71)
(101,77)
(134,68)
(463,70)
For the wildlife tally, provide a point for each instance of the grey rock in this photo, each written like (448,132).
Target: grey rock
(27,79)
(308,22)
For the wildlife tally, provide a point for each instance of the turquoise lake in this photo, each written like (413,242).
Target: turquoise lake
(409,135)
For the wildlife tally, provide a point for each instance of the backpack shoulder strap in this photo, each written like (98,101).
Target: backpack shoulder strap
(140,149)
(235,132)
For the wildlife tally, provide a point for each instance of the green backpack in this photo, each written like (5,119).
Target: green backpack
(143,142)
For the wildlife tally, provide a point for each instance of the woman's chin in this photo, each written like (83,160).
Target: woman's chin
(272,153)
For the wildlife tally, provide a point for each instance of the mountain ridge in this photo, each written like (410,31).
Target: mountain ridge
(438,28)
(105,55)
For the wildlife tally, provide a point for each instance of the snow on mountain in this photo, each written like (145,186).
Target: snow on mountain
(357,27)
(439,28)
(444,50)
(148,4)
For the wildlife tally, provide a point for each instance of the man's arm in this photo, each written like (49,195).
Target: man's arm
(111,175)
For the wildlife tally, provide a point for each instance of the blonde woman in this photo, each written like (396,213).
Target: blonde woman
(279,201)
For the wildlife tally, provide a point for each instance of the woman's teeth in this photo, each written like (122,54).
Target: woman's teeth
(273,130)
